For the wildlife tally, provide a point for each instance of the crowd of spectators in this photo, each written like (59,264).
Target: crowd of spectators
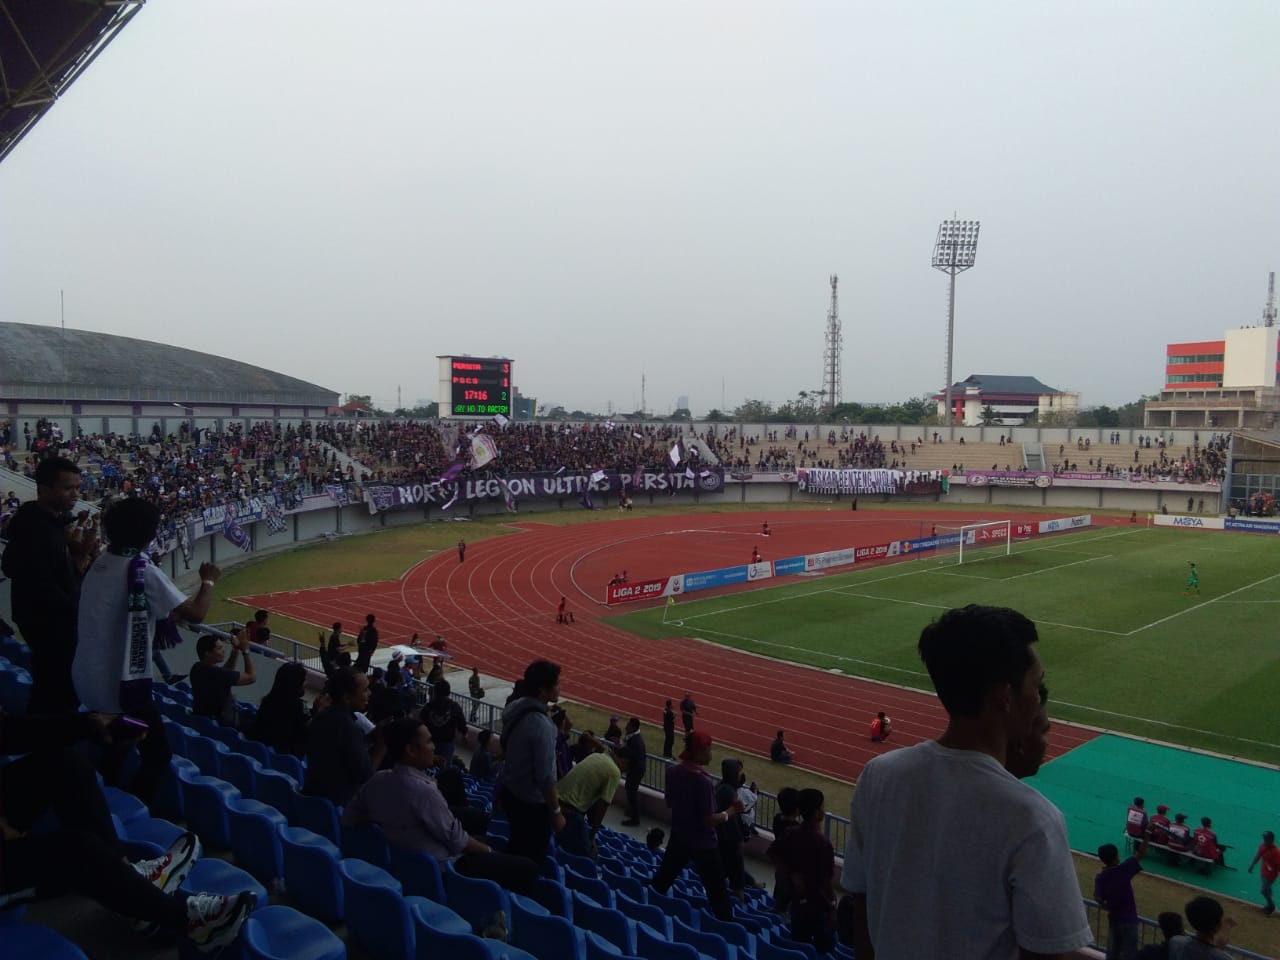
(1198,463)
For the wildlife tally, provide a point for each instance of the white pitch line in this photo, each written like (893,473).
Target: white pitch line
(1201,606)
(1164,723)
(814,653)
(910,603)
(1061,566)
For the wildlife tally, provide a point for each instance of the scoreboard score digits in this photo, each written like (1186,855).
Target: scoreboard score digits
(475,386)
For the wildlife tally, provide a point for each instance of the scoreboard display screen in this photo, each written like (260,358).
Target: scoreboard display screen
(475,386)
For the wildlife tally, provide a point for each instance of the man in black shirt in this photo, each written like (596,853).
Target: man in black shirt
(668,730)
(212,678)
(45,561)
(366,644)
(339,760)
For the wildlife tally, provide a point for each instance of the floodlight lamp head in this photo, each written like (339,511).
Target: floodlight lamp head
(956,248)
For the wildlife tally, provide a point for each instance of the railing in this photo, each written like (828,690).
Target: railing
(1148,932)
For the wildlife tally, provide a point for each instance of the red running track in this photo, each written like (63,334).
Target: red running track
(498,610)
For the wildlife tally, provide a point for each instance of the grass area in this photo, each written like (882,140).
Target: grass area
(1123,649)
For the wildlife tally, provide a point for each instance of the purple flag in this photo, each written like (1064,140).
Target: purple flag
(235,533)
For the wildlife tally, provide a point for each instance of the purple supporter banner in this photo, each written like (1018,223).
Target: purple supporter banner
(544,485)
(1008,478)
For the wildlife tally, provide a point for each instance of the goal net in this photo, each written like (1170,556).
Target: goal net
(974,541)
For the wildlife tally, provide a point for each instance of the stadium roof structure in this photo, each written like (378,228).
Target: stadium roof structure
(993,385)
(52,363)
(44,46)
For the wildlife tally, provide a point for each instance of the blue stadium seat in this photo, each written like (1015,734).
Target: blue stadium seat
(596,889)
(205,800)
(598,948)
(291,765)
(205,726)
(621,882)
(554,897)
(672,906)
(162,833)
(176,735)
(807,949)
(15,691)
(125,805)
(22,941)
(211,875)
(366,842)
(545,936)
(311,876)
(258,750)
(167,800)
(613,926)
(734,933)
(241,772)
(650,945)
(207,753)
(317,814)
(771,951)
(282,933)
(475,900)
(419,874)
(230,736)
(277,790)
(377,912)
(255,839)
(711,945)
(643,913)
(584,865)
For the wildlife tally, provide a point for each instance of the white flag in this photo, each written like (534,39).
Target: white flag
(674,454)
(500,420)
(597,476)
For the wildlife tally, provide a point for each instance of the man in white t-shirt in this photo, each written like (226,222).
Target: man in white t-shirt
(112,666)
(949,854)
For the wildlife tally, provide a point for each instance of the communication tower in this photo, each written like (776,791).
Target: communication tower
(1269,311)
(832,393)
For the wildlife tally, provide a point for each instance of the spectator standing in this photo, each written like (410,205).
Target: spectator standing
(529,796)
(778,751)
(1170,927)
(636,757)
(45,561)
(687,711)
(907,857)
(366,643)
(251,627)
(212,678)
(694,820)
(462,550)
(668,730)
(1113,889)
(406,803)
(1212,932)
(444,719)
(122,598)
(806,856)
(1269,855)
(613,733)
(787,818)
(476,691)
(564,753)
(484,766)
(730,834)
(339,759)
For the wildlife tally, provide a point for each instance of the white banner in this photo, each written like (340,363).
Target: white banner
(1178,520)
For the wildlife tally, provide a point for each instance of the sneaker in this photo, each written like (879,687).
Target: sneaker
(167,871)
(214,920)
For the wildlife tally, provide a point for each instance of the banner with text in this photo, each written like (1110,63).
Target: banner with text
(538,486)
(829,481)
(1008,478)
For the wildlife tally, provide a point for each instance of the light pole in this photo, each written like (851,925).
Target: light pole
(954,252)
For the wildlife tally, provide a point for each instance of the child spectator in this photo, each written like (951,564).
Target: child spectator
(806,855)
(1211,932)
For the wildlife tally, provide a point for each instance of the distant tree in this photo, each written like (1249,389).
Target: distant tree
(716,415)
(363,398)
(989,415)
(581,415)
(426,412)
(920,410)
(754,411)
(681,413)
(1133,414)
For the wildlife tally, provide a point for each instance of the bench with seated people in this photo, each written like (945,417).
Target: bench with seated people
(1175,839)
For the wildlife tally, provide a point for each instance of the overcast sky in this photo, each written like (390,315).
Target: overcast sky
(605,190)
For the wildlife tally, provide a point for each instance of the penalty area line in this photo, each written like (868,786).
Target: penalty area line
(813,653)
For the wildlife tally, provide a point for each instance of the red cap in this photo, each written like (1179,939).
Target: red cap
(699,742)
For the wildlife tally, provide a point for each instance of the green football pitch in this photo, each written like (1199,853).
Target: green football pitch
(1123,649)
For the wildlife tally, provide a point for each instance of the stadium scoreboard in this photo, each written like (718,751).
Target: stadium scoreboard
(475,387)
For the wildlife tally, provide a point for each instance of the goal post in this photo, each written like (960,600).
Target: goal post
(974,541)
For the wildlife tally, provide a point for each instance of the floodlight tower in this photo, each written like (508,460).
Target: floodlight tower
(954,252)
(832,394)
(1269,311)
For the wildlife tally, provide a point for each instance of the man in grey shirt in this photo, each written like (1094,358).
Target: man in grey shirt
(989,866)
(529,796)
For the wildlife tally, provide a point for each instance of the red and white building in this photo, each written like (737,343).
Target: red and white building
(1224,384)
